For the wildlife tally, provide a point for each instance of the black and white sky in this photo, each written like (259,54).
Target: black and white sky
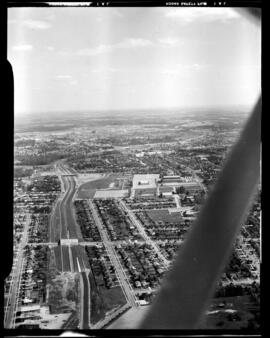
(83,59)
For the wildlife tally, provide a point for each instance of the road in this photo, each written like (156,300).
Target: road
(12,301)
(85,305)
(62,218)
(58,218)
(70,230)
(50,244)
(127,289)
(197,178)
(69,227)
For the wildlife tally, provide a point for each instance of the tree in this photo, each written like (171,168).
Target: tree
(182,190)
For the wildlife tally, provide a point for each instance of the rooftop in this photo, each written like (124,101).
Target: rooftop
(147,181)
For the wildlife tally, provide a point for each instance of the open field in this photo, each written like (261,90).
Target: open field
(54,321)
(111,193)
(96,302)
(63,293)
(164,216)
(113,297)
(85,178)
(103,299)
(88,189)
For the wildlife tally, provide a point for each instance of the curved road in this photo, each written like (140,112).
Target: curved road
(69,227)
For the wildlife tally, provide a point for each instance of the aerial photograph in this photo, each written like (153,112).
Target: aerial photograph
(123,120)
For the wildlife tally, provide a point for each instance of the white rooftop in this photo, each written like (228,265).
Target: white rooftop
(147,181)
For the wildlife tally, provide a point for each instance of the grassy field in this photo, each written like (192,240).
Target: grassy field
(97,312)
(104,300)
(63,293)
(164,216)
(113,297)
(87,190)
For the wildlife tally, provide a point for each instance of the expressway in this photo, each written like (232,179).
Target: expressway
(62,225)
(69,228)
(64,217)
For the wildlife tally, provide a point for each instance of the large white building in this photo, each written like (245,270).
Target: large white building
(145,185)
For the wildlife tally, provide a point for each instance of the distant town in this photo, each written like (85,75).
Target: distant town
(103,203)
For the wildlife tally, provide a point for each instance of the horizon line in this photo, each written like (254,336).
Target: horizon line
(133,109)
